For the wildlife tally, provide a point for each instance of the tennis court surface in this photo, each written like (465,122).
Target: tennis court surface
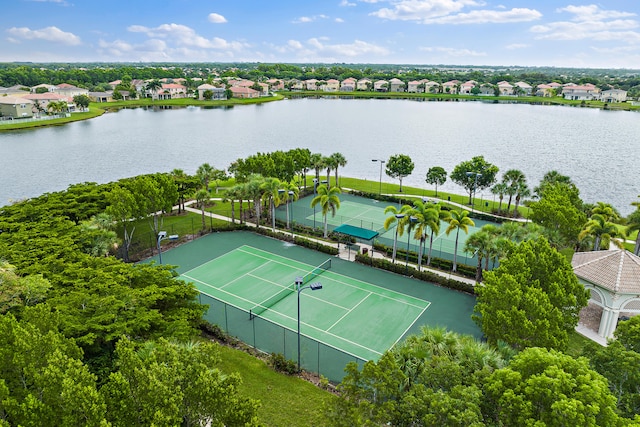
(357,317)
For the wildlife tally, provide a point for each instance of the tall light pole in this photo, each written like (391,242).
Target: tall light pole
(291,194)
(161,235)
(475,185)
(314,287)
(412,220)
(395,241)
(382,162)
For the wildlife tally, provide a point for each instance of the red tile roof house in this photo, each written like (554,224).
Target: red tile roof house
(169,91)
(450,86)
(275,84)
(217,92)
(14,107)
(414,87)
(505,88)
(244,92)
(348,85)
(69,91)
(42,100)
(332,85)
(466,87)
(586,92)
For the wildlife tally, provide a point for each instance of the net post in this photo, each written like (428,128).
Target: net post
(251,316)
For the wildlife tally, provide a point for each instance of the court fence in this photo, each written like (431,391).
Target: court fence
(270,337)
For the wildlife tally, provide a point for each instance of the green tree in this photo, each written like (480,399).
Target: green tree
(633,225)
(628,334)
(480,244)
(317,162)
(602,231)
(271,188)
(522,191)
(474,174)
(427,222)
(98,235)
(396,219)
(513,178)
(329,202)
(399,166)
(122,206)
(82,101)
(163,383)
(202,196)
(546,387)
(459,220)
(532,299)
(337,161)
(552,178)
(153,86)
(154,194)
(436,176)
(18,292)
(499,189)
(205,174)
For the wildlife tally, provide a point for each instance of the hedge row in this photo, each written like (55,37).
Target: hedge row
(300,241)
(427,276)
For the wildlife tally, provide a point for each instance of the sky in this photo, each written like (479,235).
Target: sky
(454,32)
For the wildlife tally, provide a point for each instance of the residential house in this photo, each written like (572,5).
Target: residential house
(487,89)
(467,87)
(613,95)
(101,96)
(348,85)
(381,86)
(15,108)
(505,88)
(396,85)
(169,91)
(431,86)
(545,90)
(265,89)
(49,88)
(242,83)
(523,88)
(415,86)
(244,92)
(16,90)
(587,92)
(312,84)
(332,85)
(217,92)
(41,100)
(114,83)
(297,84)
(69,91)
(275,84)
(451,86)
(364,84)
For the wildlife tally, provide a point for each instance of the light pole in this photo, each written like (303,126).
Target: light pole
(314,287)
(315,189)
(395,241)
(412,220)
(475,185)
(291,194)
(161,236)
(382,162)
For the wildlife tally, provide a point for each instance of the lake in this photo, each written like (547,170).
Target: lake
(594,147)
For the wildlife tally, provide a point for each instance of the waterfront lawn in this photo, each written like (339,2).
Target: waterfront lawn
(17,124)
(285,400)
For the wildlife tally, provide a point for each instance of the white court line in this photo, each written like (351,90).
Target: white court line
(349,312)
(245,274)
(409,327)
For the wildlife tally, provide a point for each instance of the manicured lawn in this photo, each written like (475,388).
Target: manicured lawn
(16,124)
(577,344)
(286,401)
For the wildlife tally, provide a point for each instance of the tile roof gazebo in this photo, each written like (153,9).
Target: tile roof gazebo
(613,277)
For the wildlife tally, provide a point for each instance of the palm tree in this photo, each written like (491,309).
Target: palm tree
(395,218)
(500,189)
(253,191)
(633,225)
(232,194)
(328,163)
(479,244)
(202,197)
(329,202)
(601,230)
(606,210)
(205,174)
(316,161)
(522,190)
(427,218)
(153,86)
(459,220)
(271,190)
(292,194)
(513,178)
(435,227)
(338,160)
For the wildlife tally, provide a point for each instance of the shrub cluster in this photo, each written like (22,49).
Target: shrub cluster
(425,275)
(278,362)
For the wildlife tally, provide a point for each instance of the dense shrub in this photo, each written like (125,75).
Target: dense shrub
(278,362)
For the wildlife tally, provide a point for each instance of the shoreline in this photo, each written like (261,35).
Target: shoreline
(98,109)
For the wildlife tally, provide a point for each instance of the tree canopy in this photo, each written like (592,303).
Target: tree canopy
(475,174)
(399,166)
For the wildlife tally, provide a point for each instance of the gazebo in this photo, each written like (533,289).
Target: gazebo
(613,277)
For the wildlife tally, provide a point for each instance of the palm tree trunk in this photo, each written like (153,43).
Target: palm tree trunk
(325,226)
(430,247)
(395,244)
(596,244)
(479,270)
(422,239)
(273,216)
(636,250)
(233,211)
(455,253)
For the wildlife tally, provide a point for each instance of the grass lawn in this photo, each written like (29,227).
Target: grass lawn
(16,124)
(285,400)
(577,344)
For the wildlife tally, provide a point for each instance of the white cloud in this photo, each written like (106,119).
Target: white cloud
(488,17)
(184,36)
(339,20)
(590,23)
(51,34)
(593,13)
(319,49)
(217,18)
(516,46)
(453,52)
(346,3)
(307,19)
(418,10)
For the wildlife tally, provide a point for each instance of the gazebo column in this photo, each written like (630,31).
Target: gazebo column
(604,321)
(612,322)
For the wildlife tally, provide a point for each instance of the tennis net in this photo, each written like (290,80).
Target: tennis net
(288,290)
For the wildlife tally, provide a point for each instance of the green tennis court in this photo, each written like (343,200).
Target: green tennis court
(369,214)
(357,317)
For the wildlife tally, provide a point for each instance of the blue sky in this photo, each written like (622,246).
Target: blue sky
(457,32)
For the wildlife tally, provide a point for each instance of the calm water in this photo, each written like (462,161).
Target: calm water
(595,148)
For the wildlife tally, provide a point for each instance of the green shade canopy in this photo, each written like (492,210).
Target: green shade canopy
(357,232)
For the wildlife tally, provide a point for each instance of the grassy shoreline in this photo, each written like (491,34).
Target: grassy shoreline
(97,109)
